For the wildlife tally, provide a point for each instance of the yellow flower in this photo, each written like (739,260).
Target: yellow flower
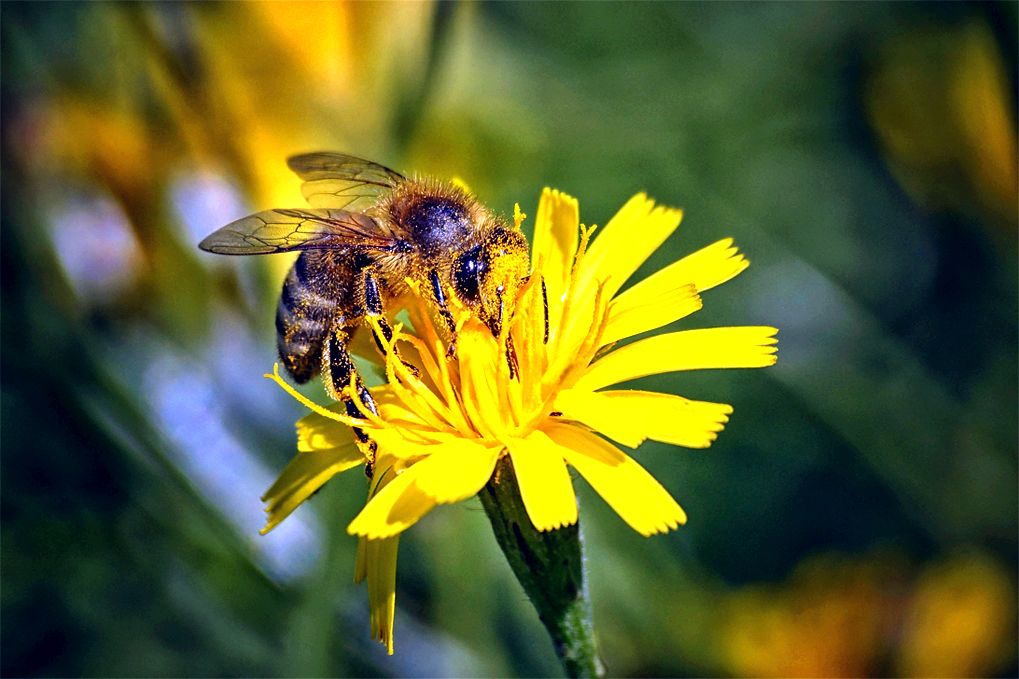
(441,433)
(960,620)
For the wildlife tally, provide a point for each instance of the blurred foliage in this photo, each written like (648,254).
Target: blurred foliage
(858,516)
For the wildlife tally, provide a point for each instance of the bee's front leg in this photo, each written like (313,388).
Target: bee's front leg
(373,308)
(447,316)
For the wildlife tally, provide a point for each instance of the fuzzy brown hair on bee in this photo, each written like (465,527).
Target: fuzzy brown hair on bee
(368,231)
(461,243)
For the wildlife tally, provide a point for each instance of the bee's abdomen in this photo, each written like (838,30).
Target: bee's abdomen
(303,318)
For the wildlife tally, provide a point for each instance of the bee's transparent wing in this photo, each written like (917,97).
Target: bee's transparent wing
(285,230)
(338,181)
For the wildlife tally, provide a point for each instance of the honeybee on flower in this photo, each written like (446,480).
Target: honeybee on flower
(444,422)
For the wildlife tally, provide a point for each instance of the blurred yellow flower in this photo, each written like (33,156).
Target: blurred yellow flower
(961,620)
(943,109)
(827,621)
(840,616)
(537,392)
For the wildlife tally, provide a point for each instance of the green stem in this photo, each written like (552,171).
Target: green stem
(550,567)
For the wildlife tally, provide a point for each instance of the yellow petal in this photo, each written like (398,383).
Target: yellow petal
(704,269)
(408,442)
(626,486)
(625,243)
(394,411)
(385,472)
(480,361)
(392,441)
(305,474)
(556,229)
(594,410)
(316,432)
(736,347)
(629,417)
(631,315)
(529,332)
(380,569)
(545,484)
(395,508)
(400,499)
(582,314)
(458,472)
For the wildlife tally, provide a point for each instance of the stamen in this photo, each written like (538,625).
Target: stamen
(518,216)
(354,394)
(445,404)
(447,382)
(585,238)
(411,390)
(308,403)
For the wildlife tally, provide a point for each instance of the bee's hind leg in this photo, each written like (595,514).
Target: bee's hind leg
(338,372)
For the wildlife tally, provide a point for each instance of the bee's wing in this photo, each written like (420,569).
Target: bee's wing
(338,181)
(285,230)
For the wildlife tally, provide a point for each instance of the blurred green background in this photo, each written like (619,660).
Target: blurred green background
(857,517)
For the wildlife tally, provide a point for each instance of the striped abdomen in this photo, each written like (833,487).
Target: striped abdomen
(306,310)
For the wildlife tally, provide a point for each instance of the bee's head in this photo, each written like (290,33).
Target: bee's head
(486,277)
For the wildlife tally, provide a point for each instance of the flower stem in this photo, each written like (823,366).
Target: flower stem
(550,567)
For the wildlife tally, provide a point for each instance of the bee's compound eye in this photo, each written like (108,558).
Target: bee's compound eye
(467,271)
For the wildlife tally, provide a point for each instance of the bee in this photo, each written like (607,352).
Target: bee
(371,229)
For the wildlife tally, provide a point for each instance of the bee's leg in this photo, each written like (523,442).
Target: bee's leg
(373,308)
(511,358)
(338,371)
(544,301)
(440,301)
